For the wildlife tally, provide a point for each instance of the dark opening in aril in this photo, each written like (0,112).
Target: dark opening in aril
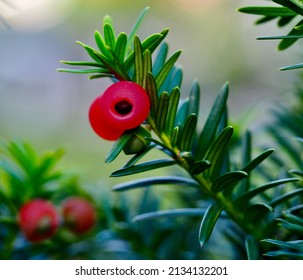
(123,107)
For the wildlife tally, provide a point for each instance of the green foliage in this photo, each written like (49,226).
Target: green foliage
(288,119)
(208,222)
(286,12)
(228,188)
(115,57)
(143,167)
(251,246)
(287,133)
(210,128)
(175,180)
(259,212)
(287,249)
(25,175)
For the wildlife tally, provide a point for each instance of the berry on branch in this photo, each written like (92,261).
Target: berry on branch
(123,106)
(38,220)
(79,215)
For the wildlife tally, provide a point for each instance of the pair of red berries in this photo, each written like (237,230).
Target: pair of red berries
(123,106)
(39,219)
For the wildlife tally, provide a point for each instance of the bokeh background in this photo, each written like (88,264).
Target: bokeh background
(49,109)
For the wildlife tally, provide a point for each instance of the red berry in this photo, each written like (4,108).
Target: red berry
(123,106)
(79,214)
(127,105)
(99,124)
(38,220)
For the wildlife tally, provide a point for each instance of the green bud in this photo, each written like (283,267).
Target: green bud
(138,141)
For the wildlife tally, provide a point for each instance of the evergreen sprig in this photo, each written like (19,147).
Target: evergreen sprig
(171,127)
(289,140)
(291,249)
(285,13)
(27,174)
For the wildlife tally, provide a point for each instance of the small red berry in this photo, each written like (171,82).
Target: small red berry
(79,215)
(128,105)
(123,106)
(99,124)
(38,220)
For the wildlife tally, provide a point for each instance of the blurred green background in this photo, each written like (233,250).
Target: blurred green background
(49,109)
